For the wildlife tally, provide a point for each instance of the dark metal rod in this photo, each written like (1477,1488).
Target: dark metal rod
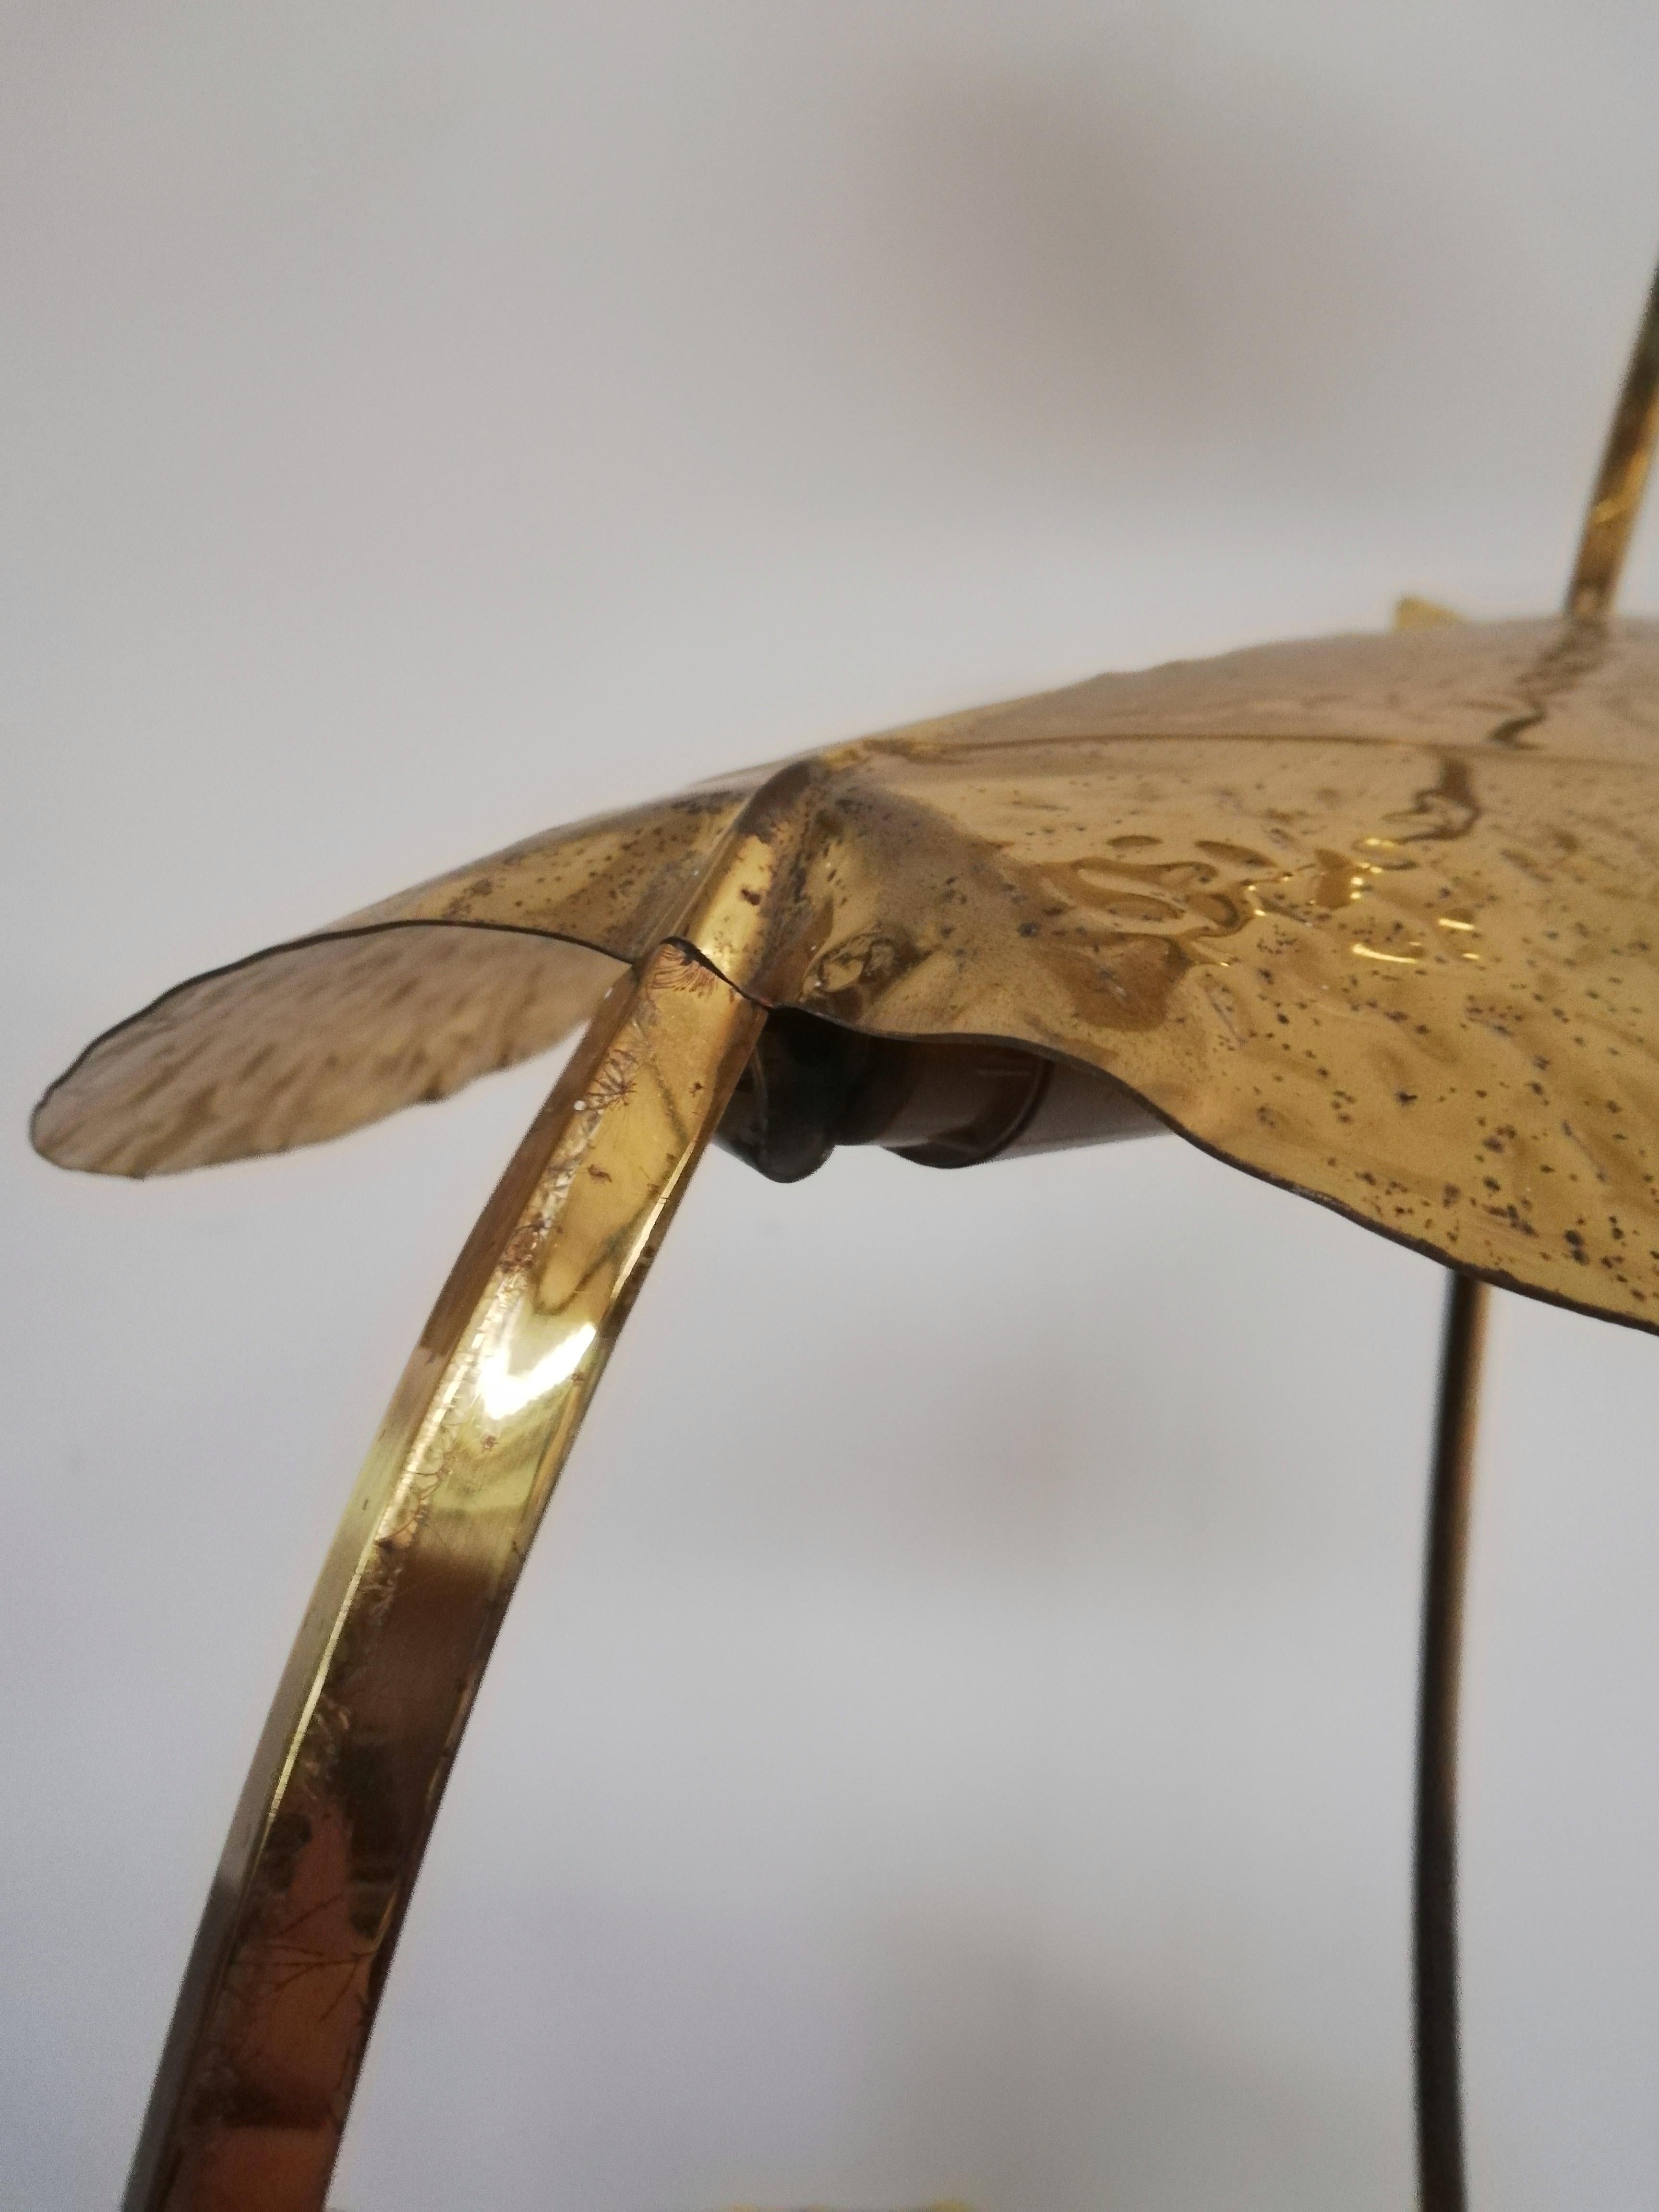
(1434,1925)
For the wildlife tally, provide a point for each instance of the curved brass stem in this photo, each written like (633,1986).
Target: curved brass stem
(281,1991)
(1617,499)
(1439,2088)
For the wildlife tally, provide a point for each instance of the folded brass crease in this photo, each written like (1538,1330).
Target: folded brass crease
(280,1990)
(1373,917)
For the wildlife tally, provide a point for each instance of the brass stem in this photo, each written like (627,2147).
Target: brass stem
(281,1991)
(1617,499)
(1439,2089)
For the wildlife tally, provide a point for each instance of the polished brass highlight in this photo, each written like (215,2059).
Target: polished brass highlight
(281,1991)
(1373,918)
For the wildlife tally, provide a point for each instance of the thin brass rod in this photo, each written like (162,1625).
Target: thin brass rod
(1439,2088)
(1617,499)
(281,1989)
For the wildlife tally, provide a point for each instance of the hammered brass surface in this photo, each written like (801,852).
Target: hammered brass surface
(1374,917)
(297,1936)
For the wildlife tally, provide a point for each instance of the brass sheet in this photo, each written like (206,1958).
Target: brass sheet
(1371,916)
(310,1040)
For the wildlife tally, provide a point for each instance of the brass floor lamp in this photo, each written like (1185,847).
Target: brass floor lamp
(1372,918)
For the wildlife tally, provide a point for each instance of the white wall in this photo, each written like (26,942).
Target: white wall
(954,1738)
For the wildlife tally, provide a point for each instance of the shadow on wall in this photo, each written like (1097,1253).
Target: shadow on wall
(1082,262)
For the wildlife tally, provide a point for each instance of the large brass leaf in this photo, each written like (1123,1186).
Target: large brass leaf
(1372,916)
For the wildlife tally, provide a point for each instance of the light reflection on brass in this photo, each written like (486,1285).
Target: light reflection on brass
(1375,918)
(271,2025)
